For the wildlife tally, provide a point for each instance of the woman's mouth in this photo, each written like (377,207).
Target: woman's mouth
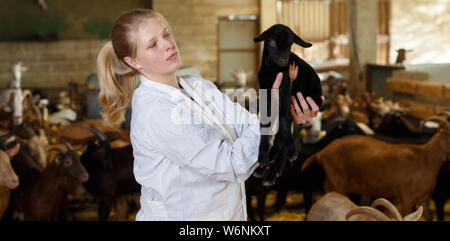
(172,57)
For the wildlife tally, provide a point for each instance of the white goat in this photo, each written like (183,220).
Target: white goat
(241,77)
(65,115)
(315,133)
(12,97)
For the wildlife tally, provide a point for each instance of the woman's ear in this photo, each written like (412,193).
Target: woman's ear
(132,62)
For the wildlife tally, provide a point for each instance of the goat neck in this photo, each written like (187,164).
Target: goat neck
(438,145)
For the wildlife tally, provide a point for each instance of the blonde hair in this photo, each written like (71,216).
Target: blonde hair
(117,80)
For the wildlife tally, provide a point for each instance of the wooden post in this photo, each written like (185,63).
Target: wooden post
(363,20)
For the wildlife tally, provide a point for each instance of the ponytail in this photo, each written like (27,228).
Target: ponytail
(117,83)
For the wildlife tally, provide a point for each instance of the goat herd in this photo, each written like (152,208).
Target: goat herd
(47,168)
(365,149)
(356,150)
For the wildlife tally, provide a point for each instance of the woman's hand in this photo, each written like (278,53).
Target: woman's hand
(298,116)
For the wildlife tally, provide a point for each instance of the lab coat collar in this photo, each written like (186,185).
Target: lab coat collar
(163,89)
(175,94)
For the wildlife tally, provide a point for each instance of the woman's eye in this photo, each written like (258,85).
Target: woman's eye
(166,35)
(152,45)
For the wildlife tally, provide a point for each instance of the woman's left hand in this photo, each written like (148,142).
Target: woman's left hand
(298,116)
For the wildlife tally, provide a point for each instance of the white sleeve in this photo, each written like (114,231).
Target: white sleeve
(242,118)
(189,144)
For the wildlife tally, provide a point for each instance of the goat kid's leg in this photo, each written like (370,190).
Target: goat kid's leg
(264,147)
(275,171)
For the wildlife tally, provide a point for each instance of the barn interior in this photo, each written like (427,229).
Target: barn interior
(384,67)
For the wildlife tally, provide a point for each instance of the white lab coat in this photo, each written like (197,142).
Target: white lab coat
(190,171)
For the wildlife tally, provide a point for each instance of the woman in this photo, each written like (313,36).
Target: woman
(191,164)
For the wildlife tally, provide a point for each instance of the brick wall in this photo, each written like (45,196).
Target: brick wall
(194,25)
(51,64)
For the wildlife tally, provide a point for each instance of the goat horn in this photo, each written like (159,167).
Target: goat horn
(385,203)
(446,113)
(69,147)
(379,216)
(442,122)
(57,149)
(98,133)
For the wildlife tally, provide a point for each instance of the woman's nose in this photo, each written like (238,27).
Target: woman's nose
(168,44)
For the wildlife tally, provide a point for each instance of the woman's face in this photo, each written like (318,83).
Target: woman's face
(157,53)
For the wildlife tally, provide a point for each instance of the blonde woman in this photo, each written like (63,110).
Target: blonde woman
(191,164)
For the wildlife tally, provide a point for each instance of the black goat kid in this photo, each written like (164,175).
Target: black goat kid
(277,55)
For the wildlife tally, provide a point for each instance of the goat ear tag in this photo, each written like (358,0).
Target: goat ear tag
(57,161)
(97,143)
(303,132)
(79,153)
(356,105)
(54,128)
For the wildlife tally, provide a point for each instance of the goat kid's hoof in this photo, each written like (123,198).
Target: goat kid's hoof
(260,172)
(269,180)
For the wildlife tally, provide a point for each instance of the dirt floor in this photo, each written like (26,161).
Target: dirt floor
(293,211)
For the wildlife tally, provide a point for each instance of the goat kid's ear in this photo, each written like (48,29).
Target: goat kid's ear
(301,42)
(261,37)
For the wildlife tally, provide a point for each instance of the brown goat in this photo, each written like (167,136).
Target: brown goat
(336,207)
(77,134)
(47,194)
(8,178)
(367,166)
